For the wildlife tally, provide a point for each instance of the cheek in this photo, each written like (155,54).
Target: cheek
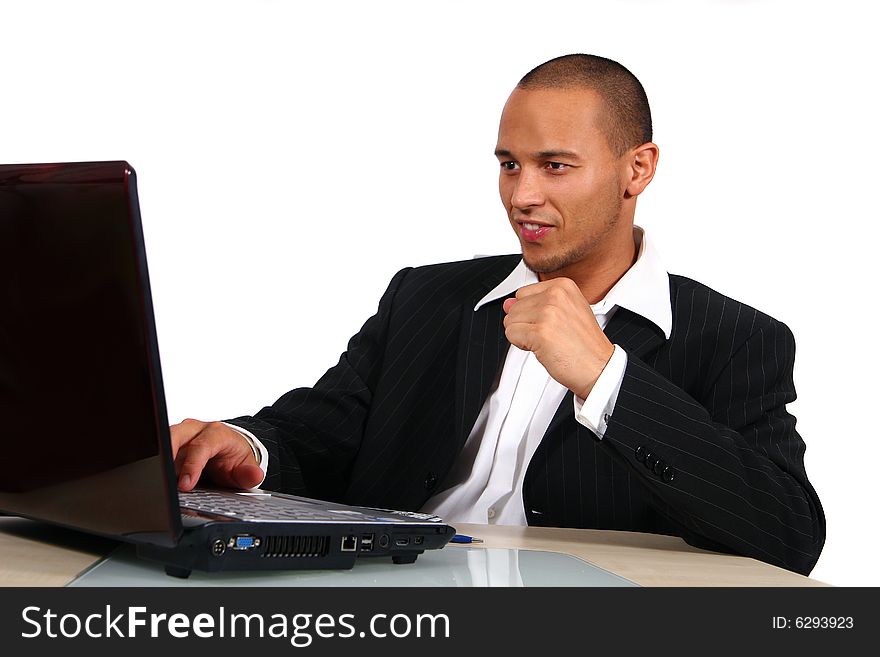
(571,204)
(581,202)
(505,191)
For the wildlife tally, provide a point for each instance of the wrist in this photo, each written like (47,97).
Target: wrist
(249,440)
(584,391)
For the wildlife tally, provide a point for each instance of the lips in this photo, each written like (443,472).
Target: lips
(533,232)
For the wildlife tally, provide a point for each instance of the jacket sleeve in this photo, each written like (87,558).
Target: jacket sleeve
(313,434)
(728,469)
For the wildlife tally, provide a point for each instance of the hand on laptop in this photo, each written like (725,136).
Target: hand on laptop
(214,450)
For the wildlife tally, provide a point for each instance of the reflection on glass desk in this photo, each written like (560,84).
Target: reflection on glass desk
(452,566)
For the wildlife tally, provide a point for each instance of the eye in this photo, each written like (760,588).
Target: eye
(557,166)
(509,165)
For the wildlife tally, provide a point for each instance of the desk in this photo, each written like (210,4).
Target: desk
(645,559)
(34,554)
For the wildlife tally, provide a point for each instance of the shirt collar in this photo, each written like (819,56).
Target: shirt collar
(643,289)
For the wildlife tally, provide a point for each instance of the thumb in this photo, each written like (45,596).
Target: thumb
(246,475)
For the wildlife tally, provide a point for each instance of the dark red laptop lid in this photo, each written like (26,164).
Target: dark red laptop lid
(83,424)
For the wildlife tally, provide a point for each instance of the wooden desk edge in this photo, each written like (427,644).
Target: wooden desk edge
(37,554)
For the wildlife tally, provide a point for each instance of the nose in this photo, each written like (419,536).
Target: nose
(527,191)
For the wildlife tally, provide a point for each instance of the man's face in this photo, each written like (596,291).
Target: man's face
(562,186)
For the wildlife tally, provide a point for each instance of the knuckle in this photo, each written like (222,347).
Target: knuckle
(192,448)
(541,332)
(202,448)
(192,461)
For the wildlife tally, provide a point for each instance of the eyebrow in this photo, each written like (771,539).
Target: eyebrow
(541,155)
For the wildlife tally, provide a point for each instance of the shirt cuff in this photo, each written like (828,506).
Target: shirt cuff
(595,411)
(260,451)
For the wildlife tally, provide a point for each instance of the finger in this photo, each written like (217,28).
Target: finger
(534,288)
(193,460)
(556,305)
(508,304)
(520,335)
(529,309)
(183,433)
(557,287)
(229,474)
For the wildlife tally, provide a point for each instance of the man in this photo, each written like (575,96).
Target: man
(578,385)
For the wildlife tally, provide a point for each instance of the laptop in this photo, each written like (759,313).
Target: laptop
(84,430)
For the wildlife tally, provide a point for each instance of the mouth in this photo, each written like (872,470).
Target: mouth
(531,231)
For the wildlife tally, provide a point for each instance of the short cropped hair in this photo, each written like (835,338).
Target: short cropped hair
(628,115)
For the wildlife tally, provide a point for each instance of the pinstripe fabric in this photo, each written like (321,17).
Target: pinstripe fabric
(700,444)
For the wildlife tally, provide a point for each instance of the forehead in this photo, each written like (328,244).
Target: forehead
(546,119)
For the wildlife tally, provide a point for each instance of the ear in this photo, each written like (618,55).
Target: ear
(641,165)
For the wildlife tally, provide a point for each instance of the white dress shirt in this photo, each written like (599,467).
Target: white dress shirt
(485,483)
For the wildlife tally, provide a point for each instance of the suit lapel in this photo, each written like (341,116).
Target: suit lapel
(482,348)
(636,335)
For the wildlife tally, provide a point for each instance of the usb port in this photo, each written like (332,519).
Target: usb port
(367,543)
(349,543)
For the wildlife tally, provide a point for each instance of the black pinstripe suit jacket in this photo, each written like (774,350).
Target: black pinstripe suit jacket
(700,444)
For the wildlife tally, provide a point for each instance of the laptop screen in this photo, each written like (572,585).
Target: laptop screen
(83,425)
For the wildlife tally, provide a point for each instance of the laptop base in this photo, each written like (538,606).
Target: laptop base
(234,546)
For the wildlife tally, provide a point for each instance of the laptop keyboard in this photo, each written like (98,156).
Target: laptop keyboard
(260,507)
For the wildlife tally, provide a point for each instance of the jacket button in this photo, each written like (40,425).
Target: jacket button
(640,453)
(668,474)
(430,481)
(651,460)
(659,466)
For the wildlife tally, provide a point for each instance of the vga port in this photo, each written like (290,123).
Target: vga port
(244,542)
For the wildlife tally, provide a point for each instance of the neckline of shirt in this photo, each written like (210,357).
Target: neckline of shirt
(643,289)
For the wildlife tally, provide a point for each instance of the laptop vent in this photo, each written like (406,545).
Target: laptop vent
(296,546)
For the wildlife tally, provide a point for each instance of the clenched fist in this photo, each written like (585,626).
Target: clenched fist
(553,320)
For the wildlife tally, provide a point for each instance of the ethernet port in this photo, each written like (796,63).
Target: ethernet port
(349,543)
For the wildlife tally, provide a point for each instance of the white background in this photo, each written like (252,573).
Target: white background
(293,156)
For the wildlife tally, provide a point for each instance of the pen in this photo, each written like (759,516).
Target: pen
(463,538)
